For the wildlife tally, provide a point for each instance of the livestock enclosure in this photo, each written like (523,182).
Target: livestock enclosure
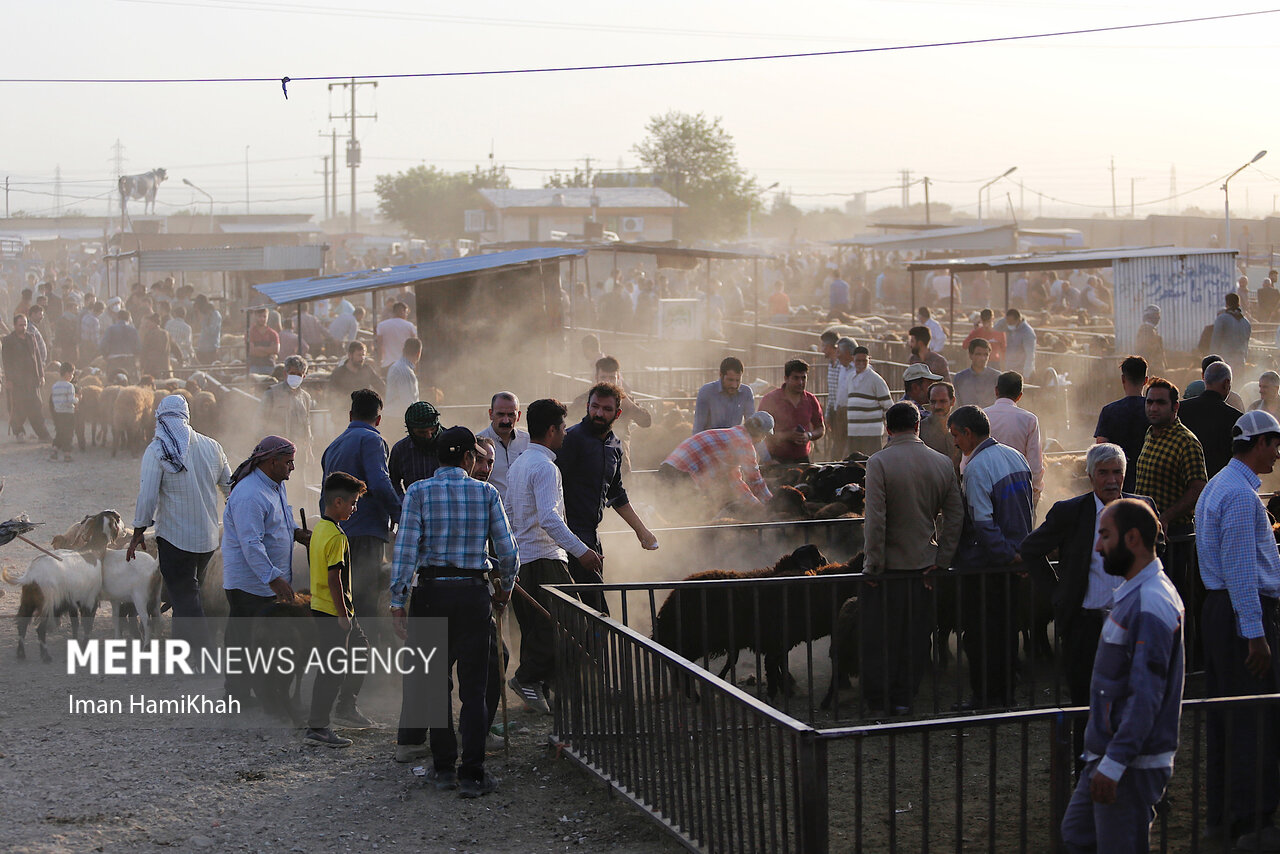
(725,769)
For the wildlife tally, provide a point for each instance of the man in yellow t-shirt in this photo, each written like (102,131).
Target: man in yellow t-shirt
(331,608)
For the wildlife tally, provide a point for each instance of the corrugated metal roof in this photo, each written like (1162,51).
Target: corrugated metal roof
(580,197)
(269,228)
(233,259)
(324,287)
(951,237)
(1071,260)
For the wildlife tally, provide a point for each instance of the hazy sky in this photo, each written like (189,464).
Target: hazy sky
(1195,96)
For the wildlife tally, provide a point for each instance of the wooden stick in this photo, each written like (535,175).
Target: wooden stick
(39,547)
(502,690)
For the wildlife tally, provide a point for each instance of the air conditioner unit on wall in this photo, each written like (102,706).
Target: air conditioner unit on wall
(632,223)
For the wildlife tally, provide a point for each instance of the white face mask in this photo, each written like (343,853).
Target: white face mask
(293,380)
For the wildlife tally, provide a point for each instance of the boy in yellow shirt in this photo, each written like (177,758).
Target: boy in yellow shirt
(331,608)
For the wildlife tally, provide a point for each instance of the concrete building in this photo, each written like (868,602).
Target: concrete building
(635,214)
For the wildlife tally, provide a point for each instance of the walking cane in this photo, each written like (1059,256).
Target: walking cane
(502,685)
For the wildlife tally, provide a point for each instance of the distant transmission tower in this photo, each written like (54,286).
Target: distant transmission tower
(117,159)
(1173,188)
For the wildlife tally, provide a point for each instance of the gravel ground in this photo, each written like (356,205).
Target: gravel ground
(102,786)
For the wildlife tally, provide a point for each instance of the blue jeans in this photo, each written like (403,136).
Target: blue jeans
(1121,827)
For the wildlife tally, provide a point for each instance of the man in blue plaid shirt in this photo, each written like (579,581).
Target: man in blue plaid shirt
(441,568)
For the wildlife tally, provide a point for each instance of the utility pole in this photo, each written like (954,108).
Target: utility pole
(927,221)
(331,179)
(906,189)
(325,158)
(246,179)
(1173,188)
(587,159)
(1132,209)
(1113,186)
(6,196)
(117,159)
(353,144)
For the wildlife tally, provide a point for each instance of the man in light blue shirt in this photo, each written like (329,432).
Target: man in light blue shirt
(724,402)
(1240,568)
(258,533)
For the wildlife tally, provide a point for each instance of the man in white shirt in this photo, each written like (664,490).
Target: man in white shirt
(937,336)
(535,503)
(393,332)
(182,473)
(402,379)
(1016,427)
(509,441)
(838,397)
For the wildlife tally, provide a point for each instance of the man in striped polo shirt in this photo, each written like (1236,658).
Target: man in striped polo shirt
(867,400)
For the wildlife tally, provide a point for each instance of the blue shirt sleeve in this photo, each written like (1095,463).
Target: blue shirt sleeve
(375,466)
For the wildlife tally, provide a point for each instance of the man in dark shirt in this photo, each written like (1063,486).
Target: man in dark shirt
(120,344)
(590,462)
(1124,422)
(414,458)
(361,452)
(354,372)
(920,339)
(1211,418)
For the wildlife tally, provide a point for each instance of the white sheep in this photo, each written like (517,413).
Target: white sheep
(137,583)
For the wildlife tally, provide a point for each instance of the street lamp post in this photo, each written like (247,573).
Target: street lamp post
(753,204)
(1226,195)
(984,187)
(207,196)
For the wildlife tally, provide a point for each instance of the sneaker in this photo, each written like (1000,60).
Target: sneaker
(477,788)
(411,752)
(532,695)
(445,781)
(325,737)
(350,717)
(494,743)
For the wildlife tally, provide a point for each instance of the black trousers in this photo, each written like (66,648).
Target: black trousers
(581,575)
(366,577)
(467,608)
(896,621)
(183,572)
(64,424)
(990,639)
(1079,648)
(24,407)
(1244,737)
(241,606)
(344,687)
(537,634)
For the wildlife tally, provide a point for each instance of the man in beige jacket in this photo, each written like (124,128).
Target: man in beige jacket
(908,485)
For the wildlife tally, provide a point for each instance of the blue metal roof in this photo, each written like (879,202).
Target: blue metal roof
(341,284)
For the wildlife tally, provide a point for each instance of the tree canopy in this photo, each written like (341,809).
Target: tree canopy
(694,158)
(430,202)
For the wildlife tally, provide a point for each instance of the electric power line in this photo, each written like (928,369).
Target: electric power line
(284,81)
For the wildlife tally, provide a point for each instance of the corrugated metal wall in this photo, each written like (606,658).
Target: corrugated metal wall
(1188,288)
(234,259)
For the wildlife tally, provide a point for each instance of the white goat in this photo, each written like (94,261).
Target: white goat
(136,582)
(71,583)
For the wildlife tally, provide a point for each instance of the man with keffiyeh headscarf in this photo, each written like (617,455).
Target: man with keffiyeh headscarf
(258,533)
(182,473)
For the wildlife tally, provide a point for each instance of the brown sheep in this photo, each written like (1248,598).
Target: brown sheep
(204,412)
(89,380)
(88,412)
(131,419)
(106,406)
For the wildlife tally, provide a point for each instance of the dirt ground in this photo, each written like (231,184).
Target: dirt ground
(86,787)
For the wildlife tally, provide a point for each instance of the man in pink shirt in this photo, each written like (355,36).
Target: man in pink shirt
(797,416)
(1016,427)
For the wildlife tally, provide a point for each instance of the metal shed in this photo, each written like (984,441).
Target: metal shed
(1187,284)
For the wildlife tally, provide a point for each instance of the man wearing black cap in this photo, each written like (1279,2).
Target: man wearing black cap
(361,452)
(442,571)
(414,458)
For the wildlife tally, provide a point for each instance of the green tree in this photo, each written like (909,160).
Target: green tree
(430,202)
(694,158)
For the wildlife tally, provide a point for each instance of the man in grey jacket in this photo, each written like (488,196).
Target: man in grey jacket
(1136,692)
(908,484)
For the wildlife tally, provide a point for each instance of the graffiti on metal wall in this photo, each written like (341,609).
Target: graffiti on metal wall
(1197,281)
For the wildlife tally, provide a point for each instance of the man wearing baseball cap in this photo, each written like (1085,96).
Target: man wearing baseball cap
(723,463)
(916,380)
(441,570)
(1240,568)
